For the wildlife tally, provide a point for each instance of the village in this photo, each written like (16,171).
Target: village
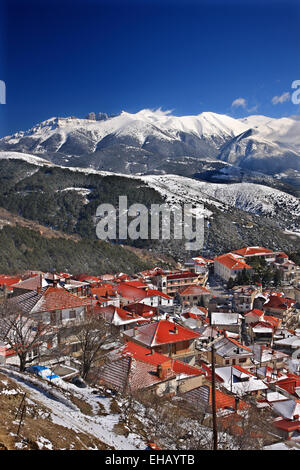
(222,335)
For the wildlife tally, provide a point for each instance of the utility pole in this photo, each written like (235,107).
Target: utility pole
(22,409)
(213,381)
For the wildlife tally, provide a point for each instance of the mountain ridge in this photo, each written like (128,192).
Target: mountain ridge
(156,141)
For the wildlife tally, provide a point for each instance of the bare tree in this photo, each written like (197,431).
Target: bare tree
(22,332)
(92,337)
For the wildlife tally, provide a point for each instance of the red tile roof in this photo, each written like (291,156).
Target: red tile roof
(194,290)
(130,293)
(182,275)
(48,299)
(253,250)
(161,332)
(224,401)
(143,354)
(232,262)
(156,293)
(119,316)
(137,283)
(104,291)
(289,384)
(279,302)
(142,309)
(8,280)
(255,312)
(136,294)
(287,425)
(31,283)
(234,341)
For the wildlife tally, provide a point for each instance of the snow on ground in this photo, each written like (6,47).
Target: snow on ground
(250,197)
(66,414)
(26,157)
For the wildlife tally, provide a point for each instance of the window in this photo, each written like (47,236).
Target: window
(72,314)
(75,347)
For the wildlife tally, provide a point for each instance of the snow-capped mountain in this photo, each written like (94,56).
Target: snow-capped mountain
(159,142)
(284,131)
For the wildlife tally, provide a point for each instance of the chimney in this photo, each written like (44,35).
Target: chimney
(163,369)
(134,330)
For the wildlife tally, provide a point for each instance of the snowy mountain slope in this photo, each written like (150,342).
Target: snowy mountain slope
(252,151)
(146,135)
(235,214)
(157,141)
(249,197)
(29,158)
(284,131)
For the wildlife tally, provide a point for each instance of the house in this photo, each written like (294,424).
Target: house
(155,298)
(194,295)
(279,306)
(290,272)
(8,355)
(81,289)
(289,344)
(166,337)
(219,304)
(32,283)
(226,321)
(207,334)
(269,397)
(243,297)
(288,423)
(288,428)
(144,310)
(290,384)
(228,266)
(52,306)
(266,356)
(152,297)
(240,381)
(195,317)
(200,266)
(253,316)
(6,282)
(261,332)
(119,319)
(228,351)
(201,398)
(106,295)
(257,252)
(133,367)
(172,282)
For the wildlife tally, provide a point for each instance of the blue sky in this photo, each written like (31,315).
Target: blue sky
(76,56)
